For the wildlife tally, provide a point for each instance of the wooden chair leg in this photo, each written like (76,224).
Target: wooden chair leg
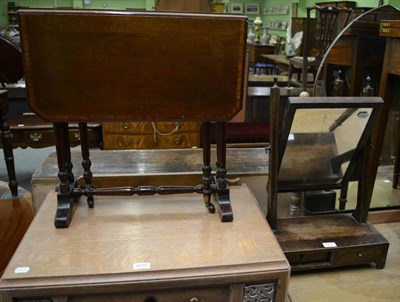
(304,73)
(343,196)
(290,74)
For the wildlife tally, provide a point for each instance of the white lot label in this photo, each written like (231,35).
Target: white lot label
(142,265)
(329,244)
(21,270)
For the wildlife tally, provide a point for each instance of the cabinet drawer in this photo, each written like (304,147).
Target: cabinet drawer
(30,131)
(361,255)
(308,258)
(38,138)
(190,295)
(149,128)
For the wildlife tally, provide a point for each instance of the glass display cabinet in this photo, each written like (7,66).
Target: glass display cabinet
(322,143)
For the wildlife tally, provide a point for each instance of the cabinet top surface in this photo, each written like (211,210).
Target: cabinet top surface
(239,161)
(147,238)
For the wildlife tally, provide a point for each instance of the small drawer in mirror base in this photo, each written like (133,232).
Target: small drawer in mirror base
(320,242)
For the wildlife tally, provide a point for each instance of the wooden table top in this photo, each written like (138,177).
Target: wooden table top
(279,59)
(144,239)
(255,79)
(157,66)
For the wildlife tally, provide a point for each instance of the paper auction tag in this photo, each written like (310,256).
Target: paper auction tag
(22,270)
(329,244)
(141,265)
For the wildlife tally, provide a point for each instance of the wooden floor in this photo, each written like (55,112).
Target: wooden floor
(16,215)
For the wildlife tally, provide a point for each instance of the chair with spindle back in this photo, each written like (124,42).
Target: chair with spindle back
(329,23)
(134,66)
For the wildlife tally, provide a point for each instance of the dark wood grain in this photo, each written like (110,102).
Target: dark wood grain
(355,243)
(273,156)
(177,67)
(184,5)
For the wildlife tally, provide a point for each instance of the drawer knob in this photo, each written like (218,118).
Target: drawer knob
(127,142)
(177,141)
(360,254)
(194,299)
(36,137)
(77,136)
(125,126)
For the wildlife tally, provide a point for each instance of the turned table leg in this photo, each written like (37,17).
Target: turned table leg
(222,187)
(64,201)
(206,132)
(7,144)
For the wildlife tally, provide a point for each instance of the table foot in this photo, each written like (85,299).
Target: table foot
(209,205)
(64,211)
(224,203)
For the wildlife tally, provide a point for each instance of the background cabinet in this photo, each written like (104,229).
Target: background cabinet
(141,135)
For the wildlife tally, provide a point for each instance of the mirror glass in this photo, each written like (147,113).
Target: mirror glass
(358,51)
(321,142)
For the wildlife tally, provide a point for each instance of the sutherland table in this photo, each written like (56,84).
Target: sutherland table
(150,248)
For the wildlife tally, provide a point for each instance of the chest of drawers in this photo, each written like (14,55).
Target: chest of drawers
(152,248)
(147,135)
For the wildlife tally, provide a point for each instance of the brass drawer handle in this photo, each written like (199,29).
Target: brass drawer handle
(125,126)
(36,136)
(156,131)
(194,299)
(127,142)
